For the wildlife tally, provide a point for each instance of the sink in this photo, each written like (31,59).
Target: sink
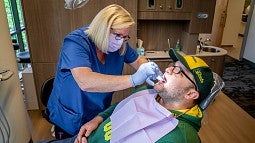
(210,49)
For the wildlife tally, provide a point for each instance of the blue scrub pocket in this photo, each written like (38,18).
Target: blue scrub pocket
(67,119)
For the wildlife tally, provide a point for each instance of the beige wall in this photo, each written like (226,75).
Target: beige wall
(233,22)
(226,23)
(218,24)
(11,100)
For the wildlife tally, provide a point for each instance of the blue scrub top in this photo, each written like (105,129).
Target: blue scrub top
(69,106)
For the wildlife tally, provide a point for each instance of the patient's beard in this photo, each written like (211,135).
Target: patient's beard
(171,95)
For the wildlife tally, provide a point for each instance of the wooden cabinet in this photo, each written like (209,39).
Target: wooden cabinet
(198,14)
(216,63)
(162,63)
(202,16)
(165,5)
(168,20)
(164,9)
(151,5)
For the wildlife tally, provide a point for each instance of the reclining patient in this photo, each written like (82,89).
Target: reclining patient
(167,113)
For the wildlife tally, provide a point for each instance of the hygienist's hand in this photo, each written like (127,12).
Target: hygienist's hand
(159,77)
(87,129)
(145,71)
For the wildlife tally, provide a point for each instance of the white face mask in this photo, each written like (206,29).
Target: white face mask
(114,44)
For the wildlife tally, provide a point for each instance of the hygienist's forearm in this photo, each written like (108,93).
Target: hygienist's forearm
(96,82)
(107,83)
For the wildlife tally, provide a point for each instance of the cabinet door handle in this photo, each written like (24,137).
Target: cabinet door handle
(213,60)
(161,7)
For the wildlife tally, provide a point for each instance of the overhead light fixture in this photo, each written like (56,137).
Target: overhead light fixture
(73,4)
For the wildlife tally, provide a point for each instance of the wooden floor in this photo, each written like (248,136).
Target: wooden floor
(39,127)
(225,122)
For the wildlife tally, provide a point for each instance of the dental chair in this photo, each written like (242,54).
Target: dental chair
(45,94)
(48,85)
(218,85)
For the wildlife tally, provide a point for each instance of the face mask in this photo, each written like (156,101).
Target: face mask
(114,44)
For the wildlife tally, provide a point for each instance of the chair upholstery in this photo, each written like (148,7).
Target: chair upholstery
(46,90)
(45,94)
(218,85)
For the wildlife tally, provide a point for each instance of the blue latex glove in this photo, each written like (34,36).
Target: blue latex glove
(146,72)
(159,77)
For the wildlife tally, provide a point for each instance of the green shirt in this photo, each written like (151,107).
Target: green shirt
(185,132)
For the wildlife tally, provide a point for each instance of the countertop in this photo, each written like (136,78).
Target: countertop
(221,52)
(165,55)
(156,55)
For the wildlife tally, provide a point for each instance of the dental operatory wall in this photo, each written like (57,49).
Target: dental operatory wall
(249,50)
(233,19)
(14,126)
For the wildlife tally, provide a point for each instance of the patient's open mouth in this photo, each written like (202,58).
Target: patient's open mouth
(164,79)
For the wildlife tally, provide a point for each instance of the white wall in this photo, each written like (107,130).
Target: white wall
(249,51)
(11,100)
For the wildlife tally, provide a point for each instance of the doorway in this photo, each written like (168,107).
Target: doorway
(229,24)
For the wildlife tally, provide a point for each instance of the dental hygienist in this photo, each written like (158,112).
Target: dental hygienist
(90,69)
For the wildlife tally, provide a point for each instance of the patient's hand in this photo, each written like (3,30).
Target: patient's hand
(87,129)
(83,140)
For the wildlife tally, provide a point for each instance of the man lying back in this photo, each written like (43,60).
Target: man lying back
(167,113)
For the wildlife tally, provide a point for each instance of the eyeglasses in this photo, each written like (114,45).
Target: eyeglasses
(178,70)
(119,37)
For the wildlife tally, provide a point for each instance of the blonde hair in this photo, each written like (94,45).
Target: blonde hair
(112,16)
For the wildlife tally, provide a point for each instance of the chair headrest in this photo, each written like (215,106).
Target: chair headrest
(218,85)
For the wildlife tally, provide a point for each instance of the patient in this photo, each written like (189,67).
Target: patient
(167,113)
